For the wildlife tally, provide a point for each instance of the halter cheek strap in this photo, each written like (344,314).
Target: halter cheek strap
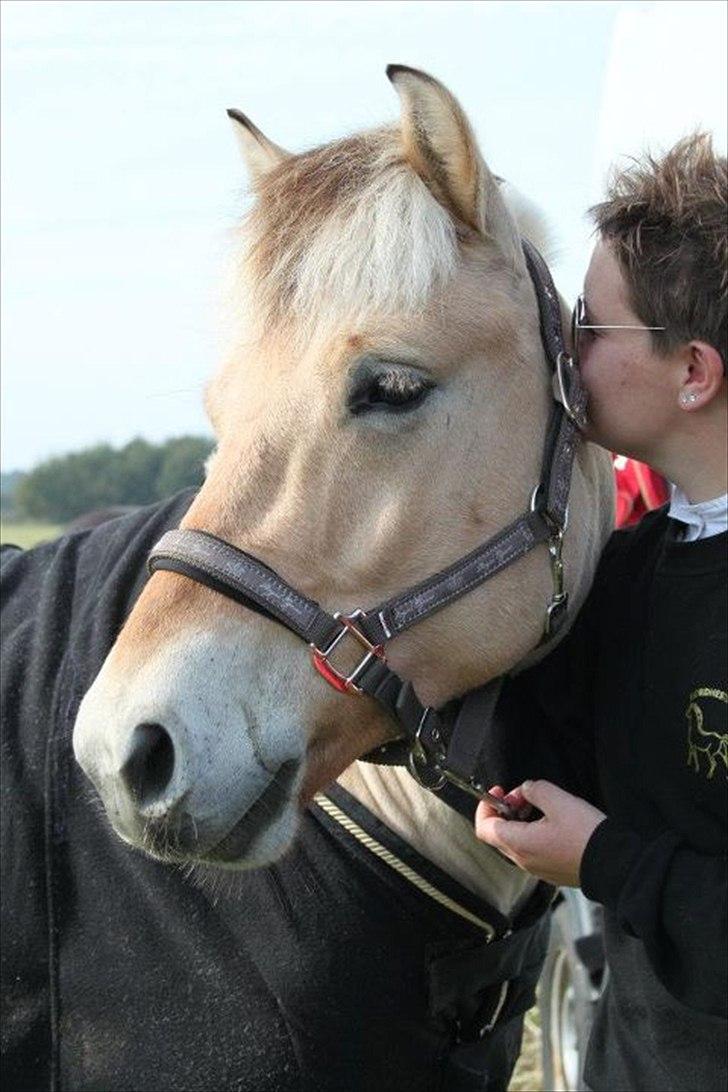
(439,745)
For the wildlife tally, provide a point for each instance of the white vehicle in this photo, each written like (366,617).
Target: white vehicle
(573,977)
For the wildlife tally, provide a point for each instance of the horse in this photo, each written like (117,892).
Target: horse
(258,908)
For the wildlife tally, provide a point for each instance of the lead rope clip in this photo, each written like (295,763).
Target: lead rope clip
(556,609)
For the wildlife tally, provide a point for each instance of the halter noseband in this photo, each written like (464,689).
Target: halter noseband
(438,745)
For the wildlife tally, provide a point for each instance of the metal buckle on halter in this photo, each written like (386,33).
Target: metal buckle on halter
(345,684)
(431,773)
(574,412)
(419,762)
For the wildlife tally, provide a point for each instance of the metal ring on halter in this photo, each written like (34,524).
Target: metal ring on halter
(575,414)
(419,762)
(534,506)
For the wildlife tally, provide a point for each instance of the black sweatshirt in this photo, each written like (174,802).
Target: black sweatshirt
(630,712)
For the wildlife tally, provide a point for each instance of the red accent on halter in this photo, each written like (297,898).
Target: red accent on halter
(332,677)
(343,683)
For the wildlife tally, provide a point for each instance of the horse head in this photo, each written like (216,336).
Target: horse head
(380,412)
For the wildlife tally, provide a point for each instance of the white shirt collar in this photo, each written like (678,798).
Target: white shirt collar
(701,520)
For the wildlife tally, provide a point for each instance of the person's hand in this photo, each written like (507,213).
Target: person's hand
(550,848)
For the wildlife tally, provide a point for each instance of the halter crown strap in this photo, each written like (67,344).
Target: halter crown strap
(549,309)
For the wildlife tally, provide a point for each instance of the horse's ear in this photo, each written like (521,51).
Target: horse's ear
(441,147)
(439,143)
(259,153)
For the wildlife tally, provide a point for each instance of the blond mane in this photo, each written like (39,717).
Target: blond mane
(345,229)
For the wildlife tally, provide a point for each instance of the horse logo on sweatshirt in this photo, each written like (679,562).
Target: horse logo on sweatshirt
(706,748)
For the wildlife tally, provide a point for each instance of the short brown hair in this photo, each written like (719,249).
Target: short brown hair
(667,221)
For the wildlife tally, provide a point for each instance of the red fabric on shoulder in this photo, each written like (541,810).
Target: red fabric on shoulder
(639,490)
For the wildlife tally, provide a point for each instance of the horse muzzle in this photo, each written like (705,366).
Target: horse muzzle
(187,773)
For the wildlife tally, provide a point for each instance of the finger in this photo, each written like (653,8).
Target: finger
(520,807)
(499,793)
(484,811)
(545,795)
(490,805)
(519,840)
(509,835)
(489,827)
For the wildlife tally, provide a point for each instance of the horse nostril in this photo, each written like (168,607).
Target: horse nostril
(148,769)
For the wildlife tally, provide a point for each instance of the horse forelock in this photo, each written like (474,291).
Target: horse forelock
(345,230)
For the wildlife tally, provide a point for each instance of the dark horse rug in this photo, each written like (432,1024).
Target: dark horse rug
(331,971)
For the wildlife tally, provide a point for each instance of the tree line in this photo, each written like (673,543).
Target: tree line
(62,488)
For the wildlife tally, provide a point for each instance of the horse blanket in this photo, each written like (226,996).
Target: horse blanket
(326,971)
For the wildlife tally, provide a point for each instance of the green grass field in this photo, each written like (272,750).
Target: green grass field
(27,534)
(527,1076)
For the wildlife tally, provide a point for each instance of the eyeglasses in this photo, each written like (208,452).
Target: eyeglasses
(578,324)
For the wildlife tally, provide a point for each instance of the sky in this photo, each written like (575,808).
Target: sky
(121,180)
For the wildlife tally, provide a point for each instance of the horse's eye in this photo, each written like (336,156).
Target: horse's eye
(395,390)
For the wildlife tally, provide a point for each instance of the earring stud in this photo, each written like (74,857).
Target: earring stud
(688,399)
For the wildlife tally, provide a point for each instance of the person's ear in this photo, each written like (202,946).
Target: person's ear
(703,375)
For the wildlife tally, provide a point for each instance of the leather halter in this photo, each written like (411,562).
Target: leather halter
(439,745)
